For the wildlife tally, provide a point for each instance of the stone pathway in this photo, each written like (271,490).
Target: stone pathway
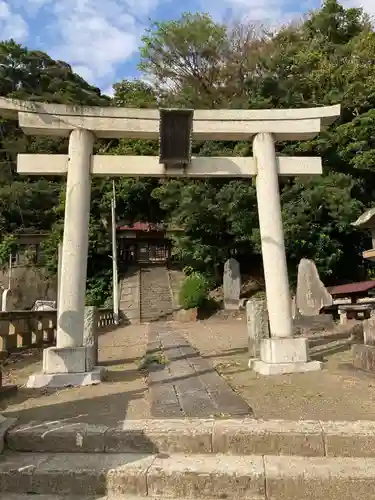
(187,385)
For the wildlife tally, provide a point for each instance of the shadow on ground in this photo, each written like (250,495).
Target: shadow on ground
(230,352)
(108,410)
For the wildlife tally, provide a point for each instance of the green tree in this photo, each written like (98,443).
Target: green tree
(134,94)
(182,59)
(325,59)
(36,204)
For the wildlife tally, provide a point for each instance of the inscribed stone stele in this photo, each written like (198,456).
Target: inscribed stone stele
(311,294)
(232,284)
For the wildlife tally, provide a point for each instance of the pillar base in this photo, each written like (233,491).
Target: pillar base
(284,355)
(68,366)
(59,380)
(263,368)
(69,359)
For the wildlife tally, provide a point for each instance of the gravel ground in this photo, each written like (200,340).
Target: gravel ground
(338,392)
(123,395)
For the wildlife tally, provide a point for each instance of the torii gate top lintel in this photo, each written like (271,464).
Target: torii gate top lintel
(38,118)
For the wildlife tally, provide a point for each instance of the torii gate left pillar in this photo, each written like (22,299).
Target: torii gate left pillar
(67,364)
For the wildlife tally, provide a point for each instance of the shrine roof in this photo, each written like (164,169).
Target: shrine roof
(352,288)
(366,220)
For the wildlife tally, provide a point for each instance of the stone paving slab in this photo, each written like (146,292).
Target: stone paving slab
(254,477)
(312,478)
(234,437)
(20,496)
(210,476)
(74,473)
(188,381)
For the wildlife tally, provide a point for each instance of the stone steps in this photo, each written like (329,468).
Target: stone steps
(129,290)
(156,299)
(254,477)
(25,496)
(190,459)
(20,496)
(206,436)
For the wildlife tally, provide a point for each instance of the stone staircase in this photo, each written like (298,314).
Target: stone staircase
(156,296)
(129,291)
(190,459)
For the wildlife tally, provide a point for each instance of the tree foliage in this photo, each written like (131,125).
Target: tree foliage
(326,58)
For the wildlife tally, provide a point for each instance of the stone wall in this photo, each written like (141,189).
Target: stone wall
(28,285)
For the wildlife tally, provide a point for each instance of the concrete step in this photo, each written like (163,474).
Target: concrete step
(25,496)
(253,477)
(20,496)
(236,436)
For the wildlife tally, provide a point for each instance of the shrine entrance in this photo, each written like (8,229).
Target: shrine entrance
(175,129)
(143,243)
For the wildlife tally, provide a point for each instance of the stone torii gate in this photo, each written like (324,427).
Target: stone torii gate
(66,364)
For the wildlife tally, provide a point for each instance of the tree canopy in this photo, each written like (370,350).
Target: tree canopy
(326,58)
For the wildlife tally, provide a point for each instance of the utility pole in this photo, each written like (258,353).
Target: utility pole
(115,297)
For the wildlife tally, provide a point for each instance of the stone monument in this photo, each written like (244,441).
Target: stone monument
(257,325)
(364,354)
(232,284)
(90,335)
(311,294)
(282,353)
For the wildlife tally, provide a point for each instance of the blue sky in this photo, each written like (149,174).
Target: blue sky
(100,38)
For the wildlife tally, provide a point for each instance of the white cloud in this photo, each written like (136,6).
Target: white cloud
(268,12)
(109,91)
(367,5)
(12,24)
(97,35)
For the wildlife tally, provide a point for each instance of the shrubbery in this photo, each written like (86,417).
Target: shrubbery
(194,291)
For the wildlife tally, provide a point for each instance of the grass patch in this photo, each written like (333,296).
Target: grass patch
(156,358)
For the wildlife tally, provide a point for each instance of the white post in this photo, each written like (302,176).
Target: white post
(10,271)
(115,297)
(59,257)
(75,241)
(4,299)
(272,237)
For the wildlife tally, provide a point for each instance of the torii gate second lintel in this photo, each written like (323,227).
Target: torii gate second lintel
(281,353)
